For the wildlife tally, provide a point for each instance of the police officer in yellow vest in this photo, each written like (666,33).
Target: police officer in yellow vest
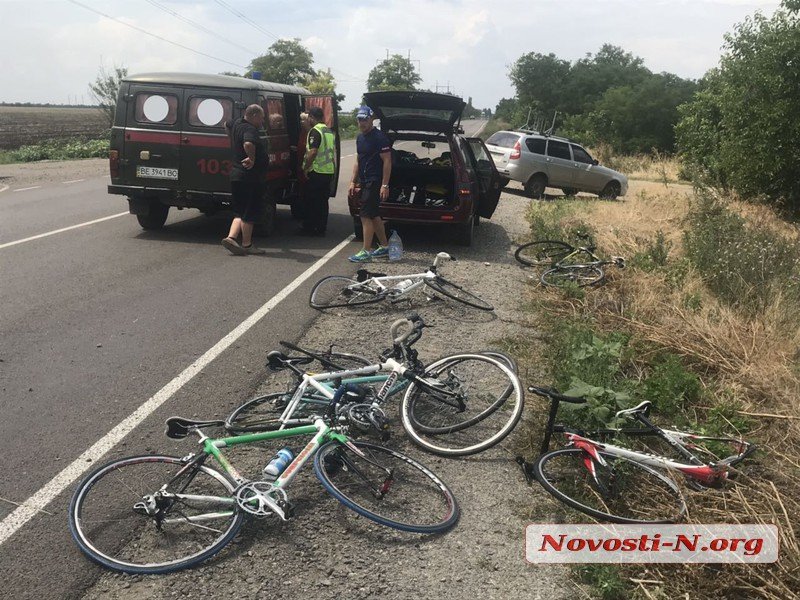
(319,165)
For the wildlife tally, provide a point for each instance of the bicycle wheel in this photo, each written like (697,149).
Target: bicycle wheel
(262,413)
(456,292)
(467,404)
(580,275)
(109,520)
(622,491)
(386,486)
(334,291)
(544,252)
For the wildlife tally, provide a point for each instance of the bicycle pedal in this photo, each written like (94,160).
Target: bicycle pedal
(288,508)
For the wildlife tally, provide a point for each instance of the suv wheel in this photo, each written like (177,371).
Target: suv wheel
(155,217)
(611,191)
(464,232)
(535,186)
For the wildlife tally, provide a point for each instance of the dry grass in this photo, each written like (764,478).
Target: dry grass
(656,166)
(749,361)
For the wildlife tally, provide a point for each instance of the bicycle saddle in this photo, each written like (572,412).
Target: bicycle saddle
(641,409)
(178,427)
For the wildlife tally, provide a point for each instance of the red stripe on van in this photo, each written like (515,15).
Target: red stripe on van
(205,141)
(153,137)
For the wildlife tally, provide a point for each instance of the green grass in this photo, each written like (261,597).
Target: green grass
(60,150)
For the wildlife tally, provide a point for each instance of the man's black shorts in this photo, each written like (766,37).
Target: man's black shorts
(370,199)
(247,200)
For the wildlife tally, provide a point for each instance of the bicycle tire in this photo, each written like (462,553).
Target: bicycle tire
(262,413)
(340,468)
(543,252)
(327,358)
(436,424)
(92,535)
(457,293)
(625,474)
(580,275)
(335,291)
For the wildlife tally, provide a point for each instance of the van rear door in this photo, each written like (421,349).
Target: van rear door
(151,156)
(328,106)
(205,145)
(488,178)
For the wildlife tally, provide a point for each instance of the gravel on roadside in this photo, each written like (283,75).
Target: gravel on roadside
(49,171)
(326,551)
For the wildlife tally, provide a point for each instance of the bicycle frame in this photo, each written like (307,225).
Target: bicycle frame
(322,433)
(383,282)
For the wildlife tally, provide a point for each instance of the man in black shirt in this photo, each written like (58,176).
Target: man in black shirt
(248,179)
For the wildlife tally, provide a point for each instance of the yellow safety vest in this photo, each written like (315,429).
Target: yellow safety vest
(324,162)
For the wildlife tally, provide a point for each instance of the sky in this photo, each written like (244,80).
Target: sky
(53,49)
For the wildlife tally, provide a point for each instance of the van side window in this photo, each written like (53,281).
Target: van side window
(275,116)
(156,108)
(581,155)
(536,145)
(209,112)
(558,150)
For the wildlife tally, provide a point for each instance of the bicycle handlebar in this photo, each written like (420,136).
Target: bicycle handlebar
(414,323)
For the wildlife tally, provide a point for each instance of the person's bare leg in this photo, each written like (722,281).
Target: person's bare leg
(247,233)
(369,232)
(236,228)
(380,231)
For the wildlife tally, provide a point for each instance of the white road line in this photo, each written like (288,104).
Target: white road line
(27,188)
(49,233)
(28,509)
(4,188)
(73,181)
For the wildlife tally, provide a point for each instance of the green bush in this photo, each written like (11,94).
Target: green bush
(670,387)
(740,131)
(552,222)
(60,150)
(606,581)
(655,253)
(743,265)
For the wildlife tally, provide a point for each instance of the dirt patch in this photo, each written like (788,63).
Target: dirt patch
(22,125)
(38,173)
(329,552)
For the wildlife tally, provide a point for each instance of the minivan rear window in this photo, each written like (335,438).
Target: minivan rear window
(558,150)
(536,145)
(161,109)
(503,139)
(210,112)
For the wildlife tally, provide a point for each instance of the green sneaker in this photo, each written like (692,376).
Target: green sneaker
(380,252)
(361,256)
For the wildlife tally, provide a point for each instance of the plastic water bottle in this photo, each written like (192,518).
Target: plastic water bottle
(276,466)
(395,247)
(403,285)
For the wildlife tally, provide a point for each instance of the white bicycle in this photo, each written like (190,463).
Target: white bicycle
(368,288)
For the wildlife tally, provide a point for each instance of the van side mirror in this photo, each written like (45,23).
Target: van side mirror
(595,162)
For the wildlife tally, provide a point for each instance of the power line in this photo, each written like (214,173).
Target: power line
(246,19)
(158,37)
(198,26)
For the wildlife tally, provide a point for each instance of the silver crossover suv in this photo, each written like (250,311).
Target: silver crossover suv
(540,161)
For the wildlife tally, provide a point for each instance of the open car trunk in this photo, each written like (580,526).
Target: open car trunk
(422,182)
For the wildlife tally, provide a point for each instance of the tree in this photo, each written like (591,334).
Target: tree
(393,73)
(105,90)
(286,61)
(749,111)
(323,82)
(540,81)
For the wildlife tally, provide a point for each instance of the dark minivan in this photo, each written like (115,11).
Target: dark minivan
(169,146)
(438,175)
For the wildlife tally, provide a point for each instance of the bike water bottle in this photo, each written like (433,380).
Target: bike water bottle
(276,466)
(395,247)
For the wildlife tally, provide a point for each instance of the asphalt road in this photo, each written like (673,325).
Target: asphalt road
(97,319)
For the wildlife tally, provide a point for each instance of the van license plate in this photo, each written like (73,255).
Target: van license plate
(157,173)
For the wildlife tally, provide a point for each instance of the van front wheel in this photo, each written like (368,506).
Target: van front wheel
(155,217)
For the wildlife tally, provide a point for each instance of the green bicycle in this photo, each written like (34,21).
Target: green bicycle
(157,514)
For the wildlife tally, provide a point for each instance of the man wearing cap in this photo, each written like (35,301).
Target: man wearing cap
(372,169)
(319,165)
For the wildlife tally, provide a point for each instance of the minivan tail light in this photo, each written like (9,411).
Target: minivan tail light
(516,152)
(113,163)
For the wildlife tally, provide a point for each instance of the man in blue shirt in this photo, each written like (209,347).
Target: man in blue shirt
(372,170)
